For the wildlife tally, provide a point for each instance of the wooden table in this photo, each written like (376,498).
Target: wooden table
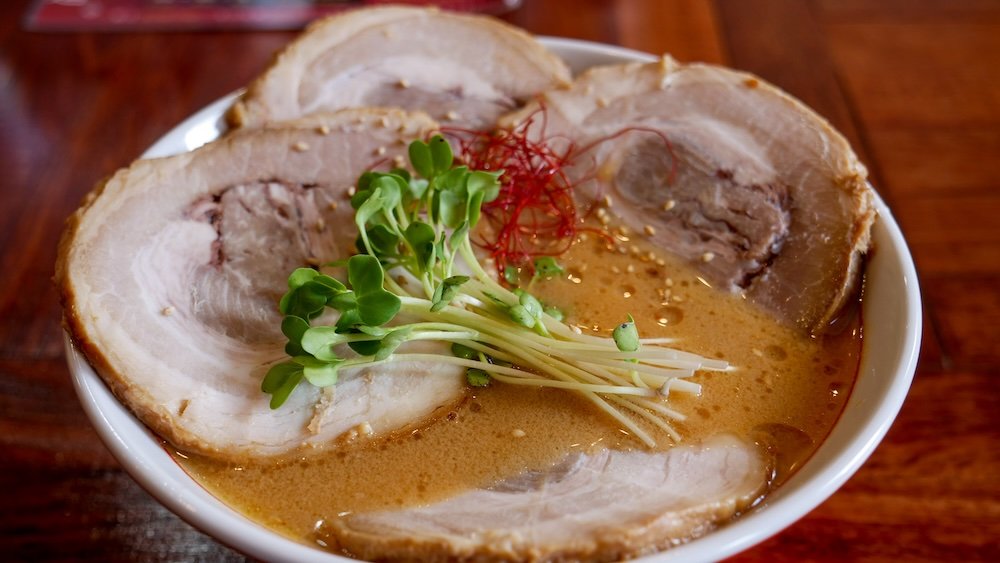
(913,84)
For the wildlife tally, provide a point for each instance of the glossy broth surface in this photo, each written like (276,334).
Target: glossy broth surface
(784,391)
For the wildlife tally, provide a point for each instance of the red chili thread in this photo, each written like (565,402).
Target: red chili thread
(535,213)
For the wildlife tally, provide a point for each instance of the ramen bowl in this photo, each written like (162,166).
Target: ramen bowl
(891,328)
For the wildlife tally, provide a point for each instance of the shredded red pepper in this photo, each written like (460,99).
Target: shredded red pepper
(535,214)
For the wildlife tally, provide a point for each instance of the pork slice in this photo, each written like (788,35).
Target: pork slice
(465,70)
(724,170)
(171,271)
(597,507)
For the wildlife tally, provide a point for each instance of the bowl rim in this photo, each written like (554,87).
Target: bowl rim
(145,458)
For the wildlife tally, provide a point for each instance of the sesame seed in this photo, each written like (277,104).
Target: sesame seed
(398,161)
(661,262)
(708,257)
(321,224)
(323,129)
(167,311)
(518,433)
(630,269)
(380,151)
(351,191)
(602,102)
(616,270)
(404,83)
(576,329)
(649,230)
(608,202)
(669,204)
(301,146)
(451,115)
(383,121)
(333,205)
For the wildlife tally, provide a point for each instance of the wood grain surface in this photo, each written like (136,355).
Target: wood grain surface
(914,84)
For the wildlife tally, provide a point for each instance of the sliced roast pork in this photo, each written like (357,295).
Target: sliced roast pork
(724,170)
(171,271)
(599,507)
(464,70)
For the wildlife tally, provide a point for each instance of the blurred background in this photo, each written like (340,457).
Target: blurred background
(87,86)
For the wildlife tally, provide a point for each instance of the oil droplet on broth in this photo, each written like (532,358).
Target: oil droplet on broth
(669,315)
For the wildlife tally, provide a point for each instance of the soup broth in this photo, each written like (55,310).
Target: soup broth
(785,391)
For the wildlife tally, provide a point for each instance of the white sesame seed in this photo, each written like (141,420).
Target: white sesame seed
(352,190)
(323,130)
(649,230)
(404,83)
(380,151)
(451,115)
(167,311)
(518,433)
(301,146)
(669,204)
(708,257)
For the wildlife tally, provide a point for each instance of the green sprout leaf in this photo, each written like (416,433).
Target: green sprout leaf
(464,352)
(293,328)
(441,154)
(421,237)
(384,241)
(392,341)
(626,336)
(476,377)
(420,157)
(378,308)
(547,267)
(554,312)
(280,381)
(319,341)
(446,291)
(365,274)
(318,372)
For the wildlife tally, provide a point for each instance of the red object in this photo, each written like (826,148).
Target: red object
(153,15)
(535,214)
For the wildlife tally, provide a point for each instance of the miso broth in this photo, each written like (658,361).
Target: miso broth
(785,391)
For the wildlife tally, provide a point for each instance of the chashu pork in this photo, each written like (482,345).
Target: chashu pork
(464,70)
(724,170)
(597,507)
(171,271)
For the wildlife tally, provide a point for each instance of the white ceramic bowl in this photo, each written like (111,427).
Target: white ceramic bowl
(891,342)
